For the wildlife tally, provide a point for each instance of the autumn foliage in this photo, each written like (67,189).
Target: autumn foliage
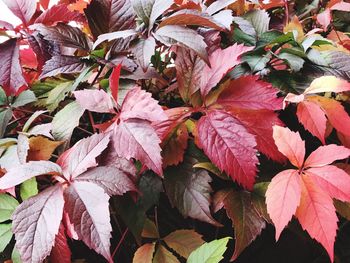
(164,131)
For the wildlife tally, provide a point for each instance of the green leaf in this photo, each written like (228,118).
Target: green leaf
(259,19)
(24,98)
(242,38)
(16,257)
(28,189)
(296,63)
(211,252)
(7,205)
(5,236)
(5,117)
(3,97)
(66,120)
(58,94)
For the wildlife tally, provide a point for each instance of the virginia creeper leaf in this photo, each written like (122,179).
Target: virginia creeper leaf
(326,154)
(184,241)
(61,252)
(229,146)
(95,100)
(8,204)
(23,9)
(36,223)
(164,255)
(144,254)
(59,13)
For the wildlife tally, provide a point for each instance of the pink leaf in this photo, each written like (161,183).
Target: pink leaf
(313,118)
(59,13)
(333,180)
(36,222)
(95,100)
(88,210)
(82,155)
(139,104)
(290,145)
(114,81)
(341,6)
(20,173)
(326,154)
(229,146)
(316,214)
(113,180)
(324,18)
(249,92)
(282,198)
(220,65)
(138,139)
(23,9)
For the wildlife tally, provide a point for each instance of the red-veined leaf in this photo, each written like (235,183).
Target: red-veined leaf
(113,180)
(290,145)
(229,146)
(82,156)
(137,139)
(36,223)
(11,78)
(59,13)
(20,173)
(88,210)
(23,9)
(139,104)
(282,198)
(95,100)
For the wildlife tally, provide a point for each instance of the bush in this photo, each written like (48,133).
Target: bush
(175,131)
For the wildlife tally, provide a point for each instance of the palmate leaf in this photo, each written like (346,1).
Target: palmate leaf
(164,255)
(36,223)
(184,241)
(308,190)
(61,252)
(144,50)
(59,13)
(23,9)
(144,254)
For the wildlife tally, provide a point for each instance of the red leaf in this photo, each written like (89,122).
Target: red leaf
(23,9)
(114,81)
(11,78)
(290,145)
(313,118)
(139,104)
(95,100)
(229,146)
(335,112)
(113,180)
(36,223)
(61,252)
(138,139)
(262,130)
(282,198)
(326,154)
(59,13)
(44,3)
(333,180)
(20,173)
(88,210)
(249,92)
(82,155)
(220,65)
(316,215)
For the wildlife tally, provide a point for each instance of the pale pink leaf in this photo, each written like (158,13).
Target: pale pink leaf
(88,210)
(36,222)
(326,155)
(95,100)
(327,84)
(290,145)
(18,174)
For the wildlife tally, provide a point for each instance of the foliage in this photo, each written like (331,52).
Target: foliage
(167,126)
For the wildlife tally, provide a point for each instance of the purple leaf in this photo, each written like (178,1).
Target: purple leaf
(23,9)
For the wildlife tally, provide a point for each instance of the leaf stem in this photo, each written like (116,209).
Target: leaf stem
(120,242)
